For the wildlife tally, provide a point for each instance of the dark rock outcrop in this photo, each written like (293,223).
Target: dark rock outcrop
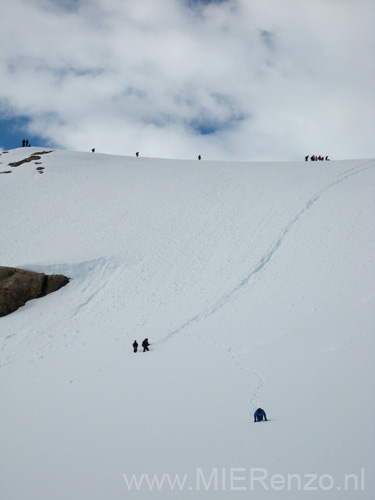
(32,157)
(17,286)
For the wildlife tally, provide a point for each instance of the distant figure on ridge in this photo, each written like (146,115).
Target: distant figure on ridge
(135,346)
(137,153)
(93,150)
(145,345)
(306,157)
(23,143)
(199,157)
(260,415)
(327,159)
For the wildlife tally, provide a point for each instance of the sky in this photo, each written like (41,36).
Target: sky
(227,79)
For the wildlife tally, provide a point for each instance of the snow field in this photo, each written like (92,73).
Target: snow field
(254,285)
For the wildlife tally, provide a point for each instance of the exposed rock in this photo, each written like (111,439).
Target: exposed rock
(25,160)
(17,286)
(32,157)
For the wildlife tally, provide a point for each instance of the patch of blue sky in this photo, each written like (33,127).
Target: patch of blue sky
(211,126)
(204,122)
(205,128)
(68,5)
(192,3)
(14,129)
(198,6)
(268,39)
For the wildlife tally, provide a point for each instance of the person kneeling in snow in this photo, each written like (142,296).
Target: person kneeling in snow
(260,415)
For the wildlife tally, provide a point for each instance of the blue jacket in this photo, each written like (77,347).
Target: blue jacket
(260,416)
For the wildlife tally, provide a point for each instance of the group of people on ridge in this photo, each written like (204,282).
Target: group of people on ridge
(316,158)
(145,345)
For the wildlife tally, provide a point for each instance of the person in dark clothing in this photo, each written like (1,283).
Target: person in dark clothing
(312,158)
(199,157)
(306,157)
(135,346)
(23,143)
(327,159)
(145,345)
(260,415)
(93,150)
(137,153)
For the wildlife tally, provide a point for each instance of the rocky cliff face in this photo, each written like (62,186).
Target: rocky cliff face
(18,286)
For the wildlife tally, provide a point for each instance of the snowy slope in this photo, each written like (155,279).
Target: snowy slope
(255,286)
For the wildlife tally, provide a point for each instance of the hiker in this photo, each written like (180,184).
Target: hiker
(306,157)
(145,345)
(23,143)
(327,159)
(137,154)
(312,158)
(199,157)
(93,150)
(260,415)
(135,346)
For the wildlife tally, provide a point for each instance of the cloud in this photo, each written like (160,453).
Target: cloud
(230,79)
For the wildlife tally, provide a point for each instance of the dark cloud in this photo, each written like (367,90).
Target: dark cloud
(195,3)
(67,5)
(268,39)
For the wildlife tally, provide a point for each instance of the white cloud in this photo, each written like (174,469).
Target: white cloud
(234,79)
